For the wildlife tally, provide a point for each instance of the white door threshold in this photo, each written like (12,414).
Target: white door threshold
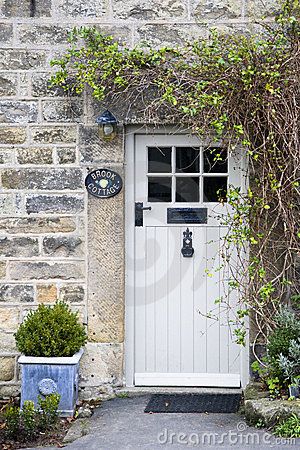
(188,379)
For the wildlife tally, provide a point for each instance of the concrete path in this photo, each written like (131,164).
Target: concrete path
(121,424)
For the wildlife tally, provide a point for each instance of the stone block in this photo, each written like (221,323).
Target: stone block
(34,155)
(15,293)
(46,270)
(66,155)
(42,34)
(8,84)
(269,412)
(216,10)
(94,150)
(101,363)
(63,246)
(6,33)
(70,110)
(54,135)
(2,269)
(36,225)
(18,246)
(20,112)
(76,9)
(9,318)
(7,204)
(20,59)
(5,156)
(8,343)
(102,392)
(120,33)
(41,86)
(106,269)
(68,204)
(258,9)
(7,368)
(46,293)
(48,179)
(12,135)
(170,35)
(72,293)
(23,8)
(9,390)
(24,85)
(255,390)
(150,9)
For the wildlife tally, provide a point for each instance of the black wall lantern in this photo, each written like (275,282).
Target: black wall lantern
(107,125)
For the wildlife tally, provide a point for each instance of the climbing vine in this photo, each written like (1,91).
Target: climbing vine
(243,91)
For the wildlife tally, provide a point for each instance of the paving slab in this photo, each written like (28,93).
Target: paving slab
(121,424)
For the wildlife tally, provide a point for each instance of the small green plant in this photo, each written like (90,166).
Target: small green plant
(48,414)
(25,424)
(51,331)
(122,395)
(290,428)
(12,420)
(274,387)
(260,424)
(28,418)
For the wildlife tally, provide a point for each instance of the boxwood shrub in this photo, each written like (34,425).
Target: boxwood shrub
(51,331)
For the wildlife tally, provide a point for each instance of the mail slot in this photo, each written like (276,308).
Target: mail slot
(186,215)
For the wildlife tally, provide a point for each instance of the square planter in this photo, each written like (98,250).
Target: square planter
(44,376)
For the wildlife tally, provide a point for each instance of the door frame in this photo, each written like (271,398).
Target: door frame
(130,132)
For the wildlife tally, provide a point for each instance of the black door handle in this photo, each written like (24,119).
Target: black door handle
(139,208)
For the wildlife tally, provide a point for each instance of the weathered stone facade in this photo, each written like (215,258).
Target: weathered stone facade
(55,241)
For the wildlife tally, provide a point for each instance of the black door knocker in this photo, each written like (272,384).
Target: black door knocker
(187,244)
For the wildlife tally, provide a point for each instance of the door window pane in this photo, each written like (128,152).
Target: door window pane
(215,160)
(214,189)
(159,159)
(159,189)
(187,160)
(187,189)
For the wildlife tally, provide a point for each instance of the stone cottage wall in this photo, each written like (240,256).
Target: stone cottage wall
(55,242)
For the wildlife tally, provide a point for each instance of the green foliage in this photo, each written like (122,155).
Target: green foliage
(51,331)
(274,386)
(290,428)
(290,363)
(11,417)
(295,301)
(27,423)
(28,419)
(283,350)
(48,410)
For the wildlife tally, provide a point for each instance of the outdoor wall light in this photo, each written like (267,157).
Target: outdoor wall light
(107,125)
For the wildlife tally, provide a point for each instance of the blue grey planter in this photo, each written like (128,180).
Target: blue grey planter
(43,376)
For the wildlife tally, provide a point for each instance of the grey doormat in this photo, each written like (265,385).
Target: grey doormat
(193,403)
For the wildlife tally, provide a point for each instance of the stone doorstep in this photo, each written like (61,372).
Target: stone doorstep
(134,391)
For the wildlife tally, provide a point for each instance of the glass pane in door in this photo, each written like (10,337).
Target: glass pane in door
(159,159)
(187,189)
(214,189)
(159,189)
(187,160)
(215,160)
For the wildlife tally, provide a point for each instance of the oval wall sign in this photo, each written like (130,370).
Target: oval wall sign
(103,183)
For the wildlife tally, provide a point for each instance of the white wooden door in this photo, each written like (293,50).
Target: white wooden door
(174,341)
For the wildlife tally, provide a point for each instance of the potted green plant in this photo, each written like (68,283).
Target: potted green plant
(51,340)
